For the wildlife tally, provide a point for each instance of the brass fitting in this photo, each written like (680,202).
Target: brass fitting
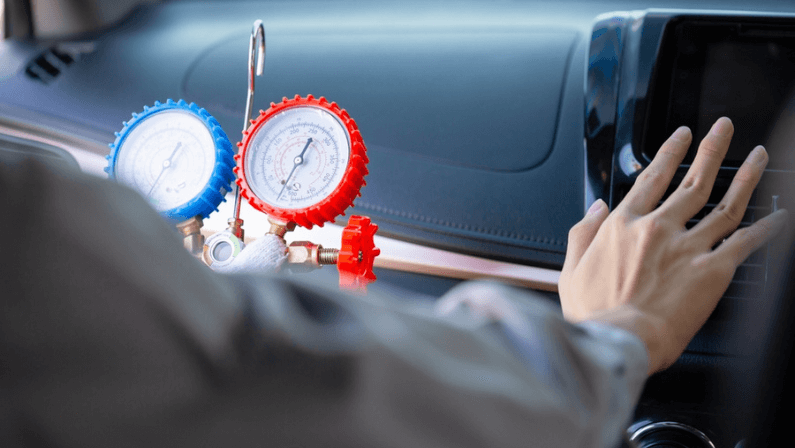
(280,229)
(193,240)
(303,255)
(236,227)
(327,256)
(306,256)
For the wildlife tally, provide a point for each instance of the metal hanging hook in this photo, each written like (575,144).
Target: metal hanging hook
(256,58)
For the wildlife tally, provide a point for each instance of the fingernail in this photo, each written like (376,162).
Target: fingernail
(721,127)
(595,207)
(681,134)
(759,156)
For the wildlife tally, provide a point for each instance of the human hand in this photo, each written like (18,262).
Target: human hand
(640,269)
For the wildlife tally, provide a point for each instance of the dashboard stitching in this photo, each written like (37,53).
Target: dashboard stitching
(427,219)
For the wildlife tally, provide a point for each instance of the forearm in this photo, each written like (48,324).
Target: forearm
(561,384)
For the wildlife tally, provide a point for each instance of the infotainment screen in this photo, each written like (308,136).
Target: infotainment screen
(708,70)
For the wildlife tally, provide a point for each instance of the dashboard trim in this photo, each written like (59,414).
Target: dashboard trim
(395,254)
(86,152)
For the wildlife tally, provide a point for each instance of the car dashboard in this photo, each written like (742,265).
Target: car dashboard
(490,127)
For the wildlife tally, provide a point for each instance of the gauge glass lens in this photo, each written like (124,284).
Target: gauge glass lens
(298,157)
(168,157)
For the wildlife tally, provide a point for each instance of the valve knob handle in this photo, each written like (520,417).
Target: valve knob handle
(357,254)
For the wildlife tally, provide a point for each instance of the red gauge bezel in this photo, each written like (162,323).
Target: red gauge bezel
(343,195)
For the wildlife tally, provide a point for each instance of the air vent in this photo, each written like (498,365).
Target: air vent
(750,279)
(50,63)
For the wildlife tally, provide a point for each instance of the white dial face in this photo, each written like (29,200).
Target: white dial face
(298,157)
(168,157)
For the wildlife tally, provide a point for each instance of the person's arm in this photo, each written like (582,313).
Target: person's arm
(112,334)
(640,269)
(489,365)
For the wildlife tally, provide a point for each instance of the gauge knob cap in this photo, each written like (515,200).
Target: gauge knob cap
(220,177)
(357,254)
(325,209)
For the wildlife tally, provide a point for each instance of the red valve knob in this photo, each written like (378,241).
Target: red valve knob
(357,254)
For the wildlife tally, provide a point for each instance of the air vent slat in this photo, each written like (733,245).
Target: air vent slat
(743,223)
(42,62)
(731,297)
(63,57)
(50,63)
(750,277)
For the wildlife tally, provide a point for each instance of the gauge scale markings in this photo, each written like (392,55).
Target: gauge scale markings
(302,161)
(286,159)
(177,157)
(298,164)
(168,162)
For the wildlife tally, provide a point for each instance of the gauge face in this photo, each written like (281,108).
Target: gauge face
(298,157)
(169,158)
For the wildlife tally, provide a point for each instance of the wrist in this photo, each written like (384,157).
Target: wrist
(650,330)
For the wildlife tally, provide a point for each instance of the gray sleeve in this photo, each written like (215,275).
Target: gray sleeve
(111,334)
(488,366)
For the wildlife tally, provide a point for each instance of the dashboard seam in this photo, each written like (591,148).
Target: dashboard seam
(466,227)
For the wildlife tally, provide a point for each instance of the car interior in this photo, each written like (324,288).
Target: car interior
(490,126)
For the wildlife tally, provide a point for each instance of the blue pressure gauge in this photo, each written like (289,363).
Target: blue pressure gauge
(177,156)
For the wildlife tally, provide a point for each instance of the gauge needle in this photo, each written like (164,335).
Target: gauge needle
(166,163)
(299,160)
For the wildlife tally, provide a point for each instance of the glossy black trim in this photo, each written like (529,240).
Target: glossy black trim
(601,98)
(621,74)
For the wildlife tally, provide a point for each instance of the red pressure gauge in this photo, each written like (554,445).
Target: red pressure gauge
(302,161)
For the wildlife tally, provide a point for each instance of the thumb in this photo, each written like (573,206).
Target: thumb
(583,233)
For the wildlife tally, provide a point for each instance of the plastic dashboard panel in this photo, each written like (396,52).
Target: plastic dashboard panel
(463,181)
(472,115)
(463,123)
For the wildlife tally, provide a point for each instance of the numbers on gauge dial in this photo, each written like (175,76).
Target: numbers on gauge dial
(168,158)
(298,157)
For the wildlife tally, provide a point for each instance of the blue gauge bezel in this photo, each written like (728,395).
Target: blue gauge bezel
(220,183)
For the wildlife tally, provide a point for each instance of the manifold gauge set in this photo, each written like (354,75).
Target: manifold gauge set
(302,162)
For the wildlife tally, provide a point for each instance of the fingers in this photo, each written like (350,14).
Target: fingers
(693,192)
(650,186)
(729,212)
(583,233)
(745,241)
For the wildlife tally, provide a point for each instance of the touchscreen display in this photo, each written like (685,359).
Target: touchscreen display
(751,83)
(707,71)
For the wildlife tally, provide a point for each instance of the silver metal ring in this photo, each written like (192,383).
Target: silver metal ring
(652,427)
(225,238)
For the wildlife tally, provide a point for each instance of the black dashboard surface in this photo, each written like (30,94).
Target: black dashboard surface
(472,111)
